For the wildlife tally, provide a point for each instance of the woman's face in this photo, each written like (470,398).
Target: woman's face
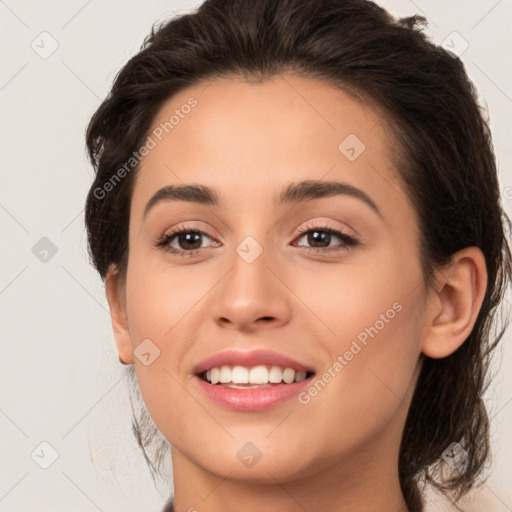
(259,273)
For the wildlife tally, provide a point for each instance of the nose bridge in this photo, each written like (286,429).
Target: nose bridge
(250,278)
(250,290)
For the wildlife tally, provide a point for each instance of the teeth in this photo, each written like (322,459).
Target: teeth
(240,375)
(260,374)
(275,375)
(225,375)
(257,375)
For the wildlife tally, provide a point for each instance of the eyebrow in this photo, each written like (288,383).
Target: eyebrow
(294,193)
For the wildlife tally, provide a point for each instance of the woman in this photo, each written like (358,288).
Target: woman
(296,213)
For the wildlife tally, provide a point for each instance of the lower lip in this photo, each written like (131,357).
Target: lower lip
(250,400)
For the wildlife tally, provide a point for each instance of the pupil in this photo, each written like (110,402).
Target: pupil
(315,239)
(187,238)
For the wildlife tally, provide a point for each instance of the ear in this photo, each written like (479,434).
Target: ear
(456,302)
(115,290)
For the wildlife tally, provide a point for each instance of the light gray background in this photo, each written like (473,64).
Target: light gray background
(59,376)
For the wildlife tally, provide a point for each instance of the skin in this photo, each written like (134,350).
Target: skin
(248,140)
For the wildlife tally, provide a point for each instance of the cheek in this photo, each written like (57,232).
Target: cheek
(368,297)
(370,322)
(157,306)
(158,299)
(367,381)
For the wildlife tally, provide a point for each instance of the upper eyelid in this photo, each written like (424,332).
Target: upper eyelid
(311,225)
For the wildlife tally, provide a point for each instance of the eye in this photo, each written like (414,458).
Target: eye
(320,238)
(188,240)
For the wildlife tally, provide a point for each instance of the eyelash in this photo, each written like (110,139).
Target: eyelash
(348,241)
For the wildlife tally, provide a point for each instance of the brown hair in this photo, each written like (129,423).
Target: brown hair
(444,158)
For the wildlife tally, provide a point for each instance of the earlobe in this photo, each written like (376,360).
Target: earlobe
(459,296)
(117,304)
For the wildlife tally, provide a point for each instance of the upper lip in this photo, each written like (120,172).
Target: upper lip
(249,359)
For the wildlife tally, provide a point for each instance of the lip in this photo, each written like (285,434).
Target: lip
(251,400)
(256,399)
(249,359)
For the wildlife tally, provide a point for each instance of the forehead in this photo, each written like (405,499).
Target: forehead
(251,139)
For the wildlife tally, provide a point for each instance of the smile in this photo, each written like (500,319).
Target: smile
(243,377)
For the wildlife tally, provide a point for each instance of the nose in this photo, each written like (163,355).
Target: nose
(252,296)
